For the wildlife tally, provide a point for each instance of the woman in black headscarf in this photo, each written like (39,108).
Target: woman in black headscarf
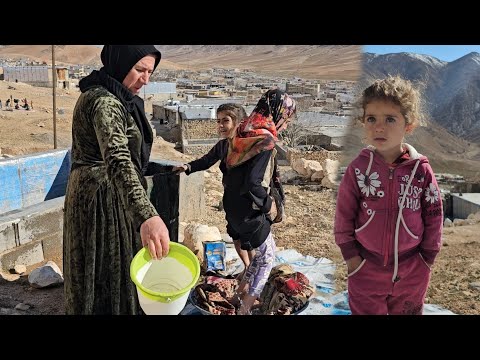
(108,215)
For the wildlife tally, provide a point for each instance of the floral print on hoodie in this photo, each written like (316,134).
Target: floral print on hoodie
(368,216)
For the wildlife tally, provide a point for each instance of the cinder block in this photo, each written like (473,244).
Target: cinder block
(7,235)
(53,247)
(40,220)
(191,197)
(27,255)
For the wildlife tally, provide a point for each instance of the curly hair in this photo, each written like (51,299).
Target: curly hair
(400,92)
(235,111)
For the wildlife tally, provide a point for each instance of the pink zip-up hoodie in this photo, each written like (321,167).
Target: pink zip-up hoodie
(368,219)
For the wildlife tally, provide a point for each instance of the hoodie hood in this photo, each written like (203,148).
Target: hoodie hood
(414,154)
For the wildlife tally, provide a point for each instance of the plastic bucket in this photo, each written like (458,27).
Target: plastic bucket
(163,285)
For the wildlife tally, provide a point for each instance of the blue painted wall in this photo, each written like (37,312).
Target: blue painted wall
(31,179)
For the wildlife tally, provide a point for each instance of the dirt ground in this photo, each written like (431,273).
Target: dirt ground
(307,229)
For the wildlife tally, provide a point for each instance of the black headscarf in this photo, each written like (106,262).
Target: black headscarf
(117,61)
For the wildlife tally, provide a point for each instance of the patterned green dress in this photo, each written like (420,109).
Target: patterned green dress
(105,205)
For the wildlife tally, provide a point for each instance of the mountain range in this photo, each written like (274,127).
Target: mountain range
(450,135)
(451,89)
(308,61)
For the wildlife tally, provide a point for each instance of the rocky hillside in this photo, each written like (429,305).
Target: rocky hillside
(446,152)
(451,89)
(309,61)
(64,54)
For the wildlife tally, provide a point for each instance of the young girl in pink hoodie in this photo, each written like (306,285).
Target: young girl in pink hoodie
(389,217)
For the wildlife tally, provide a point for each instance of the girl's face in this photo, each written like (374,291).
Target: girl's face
(225,125)
(385,126)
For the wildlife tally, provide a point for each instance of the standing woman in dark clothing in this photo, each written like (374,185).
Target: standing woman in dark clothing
(108,215)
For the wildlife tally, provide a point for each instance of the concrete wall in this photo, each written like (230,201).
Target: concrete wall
(32,235)
(319,156)
(316,139)
(200,129)
(312,89)
(32,179)
(197,149)
(26,74)
(34,232)
(463,207)
(191,193)
(163,114)
(31,207)
(170,132)
(465,187)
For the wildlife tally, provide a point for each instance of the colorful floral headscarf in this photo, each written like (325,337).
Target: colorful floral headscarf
(258,132)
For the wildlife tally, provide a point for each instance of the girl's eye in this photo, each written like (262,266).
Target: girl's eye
(370,119)
(390,119)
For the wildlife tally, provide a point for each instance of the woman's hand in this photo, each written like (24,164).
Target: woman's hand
(179,169)
(155,236)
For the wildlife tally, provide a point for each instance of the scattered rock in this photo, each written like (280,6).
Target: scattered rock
(196,234)
(22,307)
(227,238)
(474,285)
(46,275)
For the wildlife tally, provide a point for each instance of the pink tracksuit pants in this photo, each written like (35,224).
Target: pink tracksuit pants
(372,292)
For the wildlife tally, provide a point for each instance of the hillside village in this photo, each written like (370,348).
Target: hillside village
(181,105)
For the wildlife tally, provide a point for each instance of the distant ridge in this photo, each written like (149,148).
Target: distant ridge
(64,54)
(451,89)
(305,61)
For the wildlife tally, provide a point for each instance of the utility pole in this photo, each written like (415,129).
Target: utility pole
(54,75)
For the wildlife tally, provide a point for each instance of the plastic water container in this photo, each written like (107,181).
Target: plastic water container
(163,285)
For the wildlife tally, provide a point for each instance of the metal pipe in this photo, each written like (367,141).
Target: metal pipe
(54,75)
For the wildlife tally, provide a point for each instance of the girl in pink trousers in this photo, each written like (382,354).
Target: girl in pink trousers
(388,221)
